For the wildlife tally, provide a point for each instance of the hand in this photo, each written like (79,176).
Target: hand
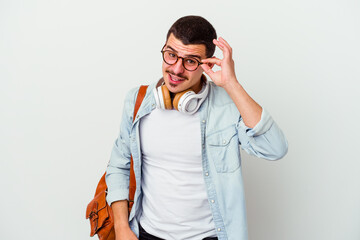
(226,75)
(121,222)
(125,234)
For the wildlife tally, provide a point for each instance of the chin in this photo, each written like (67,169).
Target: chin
(174,88)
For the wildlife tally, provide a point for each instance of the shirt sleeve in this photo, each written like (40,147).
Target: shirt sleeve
(265,140)
(118,169)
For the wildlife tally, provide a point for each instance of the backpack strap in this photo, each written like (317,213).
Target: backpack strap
(132,183)
(139,99)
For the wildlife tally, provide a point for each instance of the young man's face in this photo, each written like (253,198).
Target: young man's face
(176,77)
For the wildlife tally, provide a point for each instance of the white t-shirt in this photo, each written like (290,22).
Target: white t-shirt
(175,203)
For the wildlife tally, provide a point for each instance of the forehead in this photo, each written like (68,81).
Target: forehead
(184,50)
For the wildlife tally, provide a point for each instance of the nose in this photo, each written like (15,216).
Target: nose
(178,66)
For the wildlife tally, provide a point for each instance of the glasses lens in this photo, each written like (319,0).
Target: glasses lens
(170,57)
(190,64)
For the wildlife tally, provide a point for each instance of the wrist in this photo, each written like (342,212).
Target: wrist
(121,226)
(231,85)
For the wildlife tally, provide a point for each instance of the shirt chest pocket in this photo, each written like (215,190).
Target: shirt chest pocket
(223,150)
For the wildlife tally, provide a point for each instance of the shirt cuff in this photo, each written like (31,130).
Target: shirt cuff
(260,128)
(117,195)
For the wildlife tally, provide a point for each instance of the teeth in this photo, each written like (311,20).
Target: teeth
(176,79)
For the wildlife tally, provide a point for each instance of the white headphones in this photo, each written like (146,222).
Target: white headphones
(186,101)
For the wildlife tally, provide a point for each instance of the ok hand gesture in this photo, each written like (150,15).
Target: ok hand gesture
(226,76)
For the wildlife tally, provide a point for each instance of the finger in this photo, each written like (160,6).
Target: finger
(214,60)
(227,49)
(207,69)
(223,41)
(219,44)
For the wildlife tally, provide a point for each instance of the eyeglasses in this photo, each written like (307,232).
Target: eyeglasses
(189,63)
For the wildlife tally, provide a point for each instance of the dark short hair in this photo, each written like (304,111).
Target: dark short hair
(194,30)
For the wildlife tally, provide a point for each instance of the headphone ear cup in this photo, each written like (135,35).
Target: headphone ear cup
(166,97)
(177,98)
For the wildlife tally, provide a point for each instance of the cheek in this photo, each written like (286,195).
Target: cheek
(164,67)
(197,73)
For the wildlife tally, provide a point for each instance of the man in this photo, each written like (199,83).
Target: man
(187,162)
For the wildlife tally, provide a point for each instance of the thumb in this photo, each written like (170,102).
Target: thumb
(207,69)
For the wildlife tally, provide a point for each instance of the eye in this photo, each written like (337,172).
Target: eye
(191,61)
(172,55)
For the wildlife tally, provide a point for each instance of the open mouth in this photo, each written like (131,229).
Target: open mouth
(175,80)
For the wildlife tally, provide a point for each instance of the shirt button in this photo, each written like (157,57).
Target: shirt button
(203,145)
(203,121)
(212,201)
(219,229)
(224,141)
(137,116)
(153,105)
(207,174)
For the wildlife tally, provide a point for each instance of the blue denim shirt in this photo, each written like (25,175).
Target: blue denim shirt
(222,130)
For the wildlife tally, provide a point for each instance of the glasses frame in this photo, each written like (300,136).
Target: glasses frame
(183,60)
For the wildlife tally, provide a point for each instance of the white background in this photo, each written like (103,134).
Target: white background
(65,67)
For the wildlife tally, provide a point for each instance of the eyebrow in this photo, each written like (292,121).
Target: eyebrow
(190,55)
